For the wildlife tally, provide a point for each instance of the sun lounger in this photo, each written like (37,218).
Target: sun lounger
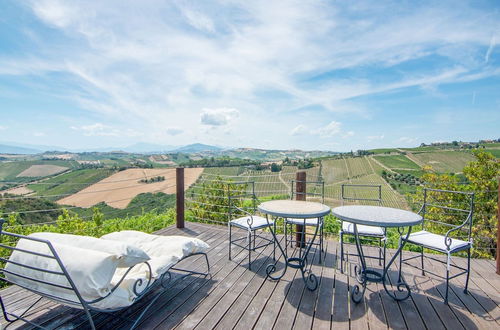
(104,274)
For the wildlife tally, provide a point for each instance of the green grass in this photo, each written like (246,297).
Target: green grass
(70,183)
(397,161)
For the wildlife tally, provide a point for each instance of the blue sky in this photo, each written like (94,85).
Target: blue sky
(330,75)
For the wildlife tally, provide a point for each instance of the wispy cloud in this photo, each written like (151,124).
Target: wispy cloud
(372,138)
(173,131)
(333,128)
(490,49)
(298,130)
(175,58)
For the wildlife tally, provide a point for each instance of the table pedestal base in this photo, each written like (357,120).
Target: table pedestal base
(310,280)
(365,275)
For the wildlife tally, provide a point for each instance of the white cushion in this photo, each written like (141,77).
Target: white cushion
(435,241)
(258,222)
(127,254)
(362,229)
(309,222)
(90,270)
(164,251)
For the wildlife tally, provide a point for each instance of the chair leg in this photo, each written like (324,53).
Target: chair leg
(380,252)
(468,272)
(249,249)
(385,248)
(286,234)
(422,260)
(229,242)
(447,284)
(254,235)
(341,252)
(400,261)
(321,249)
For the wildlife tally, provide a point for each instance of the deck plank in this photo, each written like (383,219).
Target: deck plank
(236,298)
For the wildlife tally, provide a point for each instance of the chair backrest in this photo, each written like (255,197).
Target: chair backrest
(241,198)
(315,189)
(361,193)
(445,210)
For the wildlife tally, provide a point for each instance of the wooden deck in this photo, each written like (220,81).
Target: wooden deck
(235,297)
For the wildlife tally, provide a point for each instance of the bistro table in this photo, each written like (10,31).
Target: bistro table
(382,217)
(301,210)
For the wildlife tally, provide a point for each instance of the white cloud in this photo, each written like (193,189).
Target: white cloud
(406,139)
(54,12)
(3,128)
(218,117)
(39,134)
(333,128)
(299,130)
(490,49)
(97,129)
(348,134)
(173,131)
(198,20)
(372,138)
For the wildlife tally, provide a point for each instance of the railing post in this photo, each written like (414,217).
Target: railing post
(300,195)
(179,178)
(498,228)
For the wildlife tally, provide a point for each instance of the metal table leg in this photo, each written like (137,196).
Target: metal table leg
(365,275)
(310,280)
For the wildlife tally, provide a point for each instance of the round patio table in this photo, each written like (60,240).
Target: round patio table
(381,217)
(301,210)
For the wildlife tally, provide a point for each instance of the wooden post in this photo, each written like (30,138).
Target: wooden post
(179,178)
(300,195)
(498,228)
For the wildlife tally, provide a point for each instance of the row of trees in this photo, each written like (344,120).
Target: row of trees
(153,179)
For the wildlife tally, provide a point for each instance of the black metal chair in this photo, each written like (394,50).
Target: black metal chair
(368,232)
(440,214)
(289,223)
(242,207)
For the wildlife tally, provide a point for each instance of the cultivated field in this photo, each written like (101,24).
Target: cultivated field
(358,170)
(11,170)
(69,183)
(119,189)
(397,162)
(445,161)
(22,190)
(41,170)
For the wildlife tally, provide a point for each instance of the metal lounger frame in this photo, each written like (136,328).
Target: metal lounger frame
(164,281)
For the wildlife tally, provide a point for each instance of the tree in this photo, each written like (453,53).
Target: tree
(275,167)
(211,202)
(482,179)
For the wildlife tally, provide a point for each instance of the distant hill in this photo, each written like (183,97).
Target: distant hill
(143,147)
(5,149)
(197,147)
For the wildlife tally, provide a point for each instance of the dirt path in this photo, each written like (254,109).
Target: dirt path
(283,181)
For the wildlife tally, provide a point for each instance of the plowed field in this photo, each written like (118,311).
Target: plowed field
(119,189)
